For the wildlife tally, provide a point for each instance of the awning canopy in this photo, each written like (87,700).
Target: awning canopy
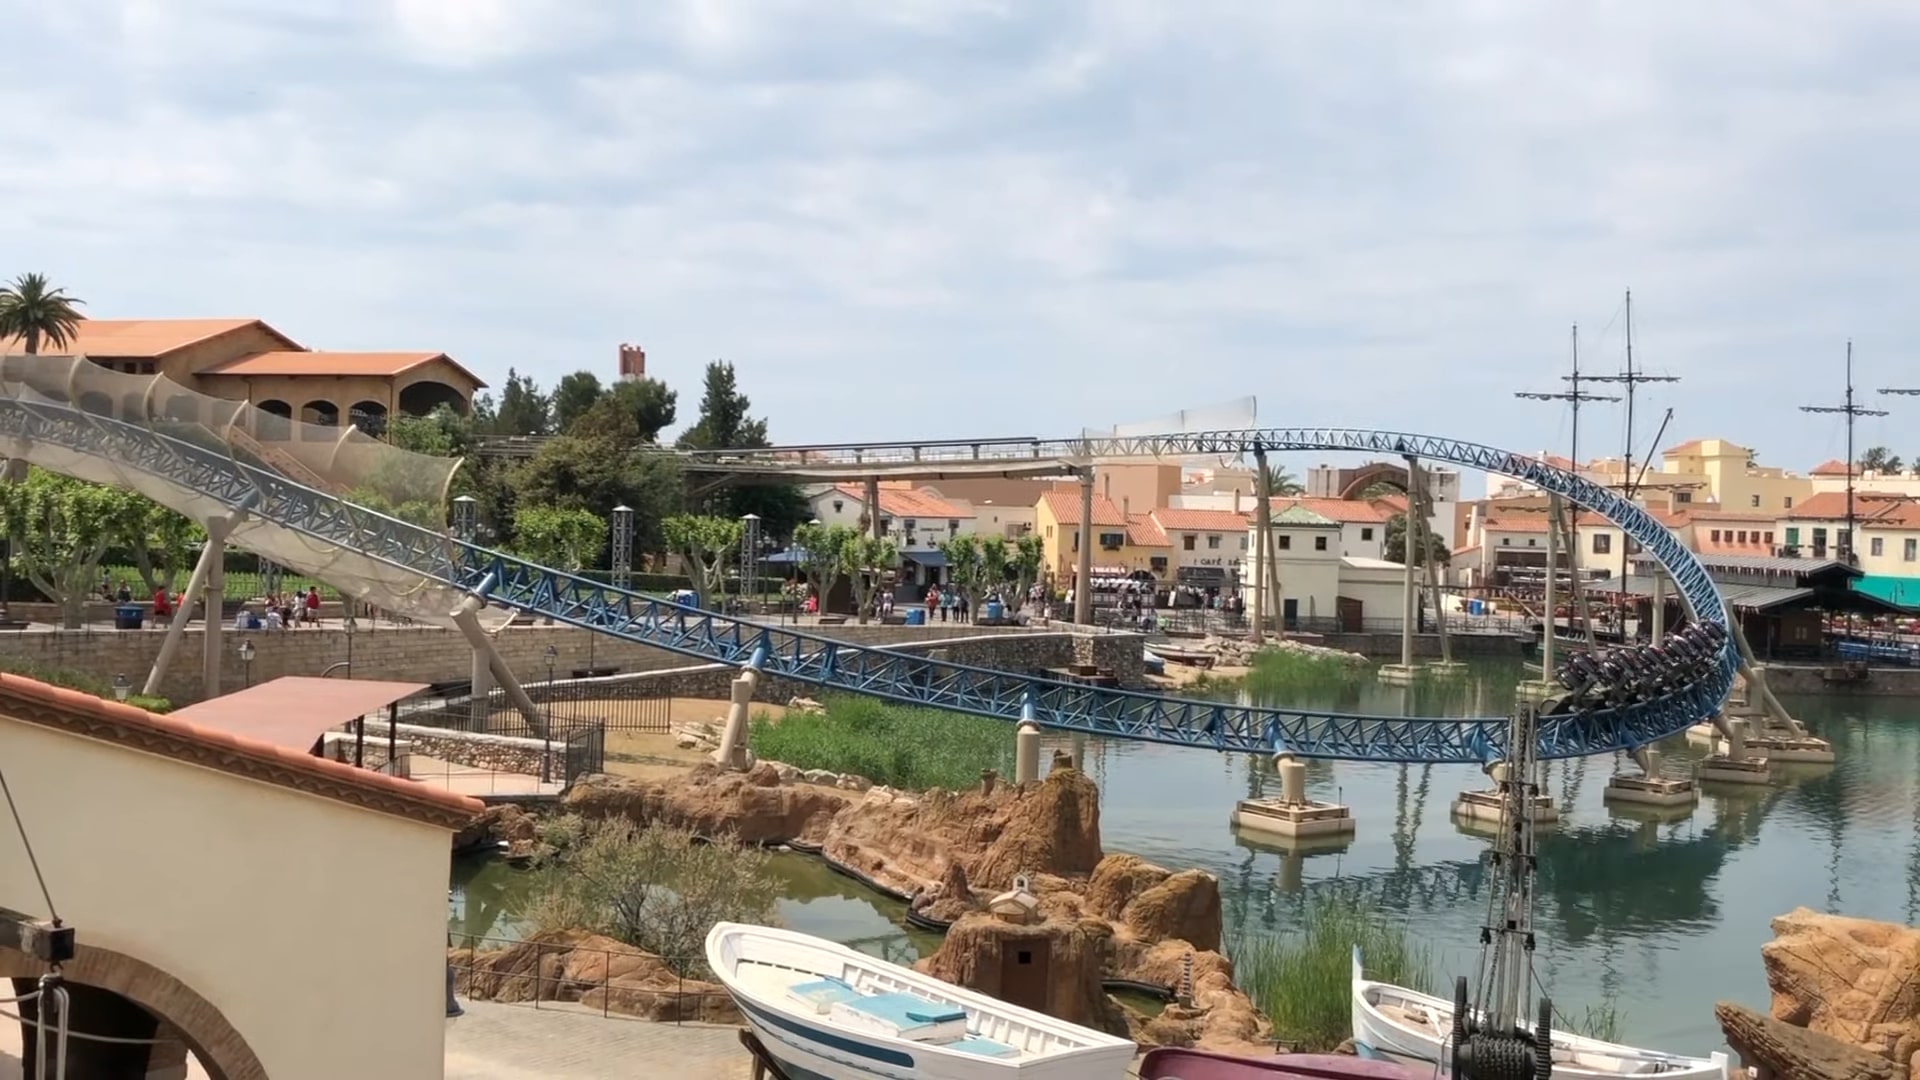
(1900,591)
(932,560)
(1768,599)
(293,711)
(787,557)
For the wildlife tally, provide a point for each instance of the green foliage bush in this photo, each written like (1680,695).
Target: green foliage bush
(903,747)
(1278,672)
(1303,980)
(81,681)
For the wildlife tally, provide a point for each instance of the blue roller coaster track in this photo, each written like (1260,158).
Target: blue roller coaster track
(177,457)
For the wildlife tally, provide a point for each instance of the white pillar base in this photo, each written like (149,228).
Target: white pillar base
(1398,674)
(1293,821)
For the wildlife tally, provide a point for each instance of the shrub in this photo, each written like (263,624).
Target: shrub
(655,888)
(1278,672)
(908,748)
(1303,980)
(81,681)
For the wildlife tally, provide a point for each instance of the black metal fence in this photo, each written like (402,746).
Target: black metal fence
(1198,622)
(586,752)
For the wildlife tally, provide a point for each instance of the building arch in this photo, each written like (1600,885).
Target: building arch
(179,1010)
(276,407)
(369,416)
(422,396)
(1377,472)
(320,412)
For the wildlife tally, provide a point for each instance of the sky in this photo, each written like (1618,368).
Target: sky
(948,218)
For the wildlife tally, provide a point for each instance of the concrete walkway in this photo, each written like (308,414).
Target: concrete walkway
(519,1042)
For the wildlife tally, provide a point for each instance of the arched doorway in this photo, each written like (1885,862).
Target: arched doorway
(274,422)
(421,398)
(118,996)
(368,416)
(322,413)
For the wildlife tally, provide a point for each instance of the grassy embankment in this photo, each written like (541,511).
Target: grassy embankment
(82,681)
(902,747)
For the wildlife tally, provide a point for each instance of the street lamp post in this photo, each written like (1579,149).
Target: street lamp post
(246,663)
(466,513)
(546,730)
(622,546)
(122,689)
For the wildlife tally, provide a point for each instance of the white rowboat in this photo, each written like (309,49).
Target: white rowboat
(826,1012)
(1417,1029)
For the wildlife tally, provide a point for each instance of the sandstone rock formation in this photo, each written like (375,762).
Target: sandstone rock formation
(1777,1050)
(1070,960)
(1853,979)
(598,972)
(496,824)
(710,802)
(1185,906)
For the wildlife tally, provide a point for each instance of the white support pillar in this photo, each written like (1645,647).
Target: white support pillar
(732,751)
(480,696)
(1659,611)
(213,647)
(1402,673)
(1026,746)
(176,629)
(1083,589)
(467,618)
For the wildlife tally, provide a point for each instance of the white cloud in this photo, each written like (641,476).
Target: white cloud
(954,217)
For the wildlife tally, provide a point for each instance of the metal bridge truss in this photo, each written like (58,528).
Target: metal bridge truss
(65,438)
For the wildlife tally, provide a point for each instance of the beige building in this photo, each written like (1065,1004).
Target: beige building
(247,360)
(1889,528)
(276,914)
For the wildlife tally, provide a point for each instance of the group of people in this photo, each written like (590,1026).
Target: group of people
(283,611)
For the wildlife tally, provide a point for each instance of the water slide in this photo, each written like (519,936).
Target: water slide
(334,504)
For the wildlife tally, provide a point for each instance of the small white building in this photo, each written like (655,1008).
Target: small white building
(1306,554)
(1208,546)
(915,519)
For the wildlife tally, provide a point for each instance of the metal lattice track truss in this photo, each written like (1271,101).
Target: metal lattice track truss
(180,456)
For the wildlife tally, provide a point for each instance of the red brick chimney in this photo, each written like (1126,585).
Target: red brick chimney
(633,361)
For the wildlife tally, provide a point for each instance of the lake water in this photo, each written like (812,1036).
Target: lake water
(1663,918)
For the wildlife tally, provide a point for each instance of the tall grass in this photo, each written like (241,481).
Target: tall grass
(82,681)
(902,747)
(1277,672)
(1303,980)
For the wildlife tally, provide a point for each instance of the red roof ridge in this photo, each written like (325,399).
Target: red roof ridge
(234,753)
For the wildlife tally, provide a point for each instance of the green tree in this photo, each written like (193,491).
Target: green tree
(820,547)
(726,423)
(1025,556)
(1880,459)
(573,395)
(440,433)
(706,542)
(967,566)
(649,401)
(1395,542)
(565,538)
(602,465)
(865,560)
(1282,482)
(59,530)
(163,544)
(33,311)
(524,409)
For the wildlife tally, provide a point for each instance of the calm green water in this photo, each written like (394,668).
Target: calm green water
(1666,918)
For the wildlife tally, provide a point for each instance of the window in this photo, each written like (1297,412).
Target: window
(886,525)
(1243,543)
(1793,536)
(953,525)
(1876,546)
(1533,541)
(1366,532)
(1602,544)
(146,367)
(1788,501)
(1213,542)
(839,505)
(1755,501)
(1112,540)
(1187,541)
(1283,542)
(1687,497)
(1769,539)
(908,526)
(1743,536)
(1319,543)
(1907,552)
(1716,536)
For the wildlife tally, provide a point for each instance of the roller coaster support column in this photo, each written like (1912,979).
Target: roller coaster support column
(1650,788)
(874,524)
(1083,567)
(214,555)
(480,693)
(210,555)
(1446,665)
(467,618)
(1026,746)
(1659,606)
(1262,540)
(1402,673)
(1777,735)
(732,752)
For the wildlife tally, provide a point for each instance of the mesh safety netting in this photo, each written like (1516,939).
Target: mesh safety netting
(1236,415)
(203,457)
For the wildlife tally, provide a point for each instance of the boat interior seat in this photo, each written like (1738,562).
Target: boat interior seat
(979,1047)
(821,995)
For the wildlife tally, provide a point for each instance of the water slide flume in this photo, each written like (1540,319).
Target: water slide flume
(824,1011)
(1403,1025)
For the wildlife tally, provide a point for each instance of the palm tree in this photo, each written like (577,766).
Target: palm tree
(31,311)
(1281,482)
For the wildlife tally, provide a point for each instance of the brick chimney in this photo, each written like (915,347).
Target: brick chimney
(633,361)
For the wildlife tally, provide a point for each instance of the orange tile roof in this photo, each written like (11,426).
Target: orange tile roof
(143,338)
(1835,467)
(30,701)
(1181,520)
(1691,446)
(1345,511)
(1065,508)
(1714,513)
(1870,509)
(906,502)
(1142,531)
(380,365)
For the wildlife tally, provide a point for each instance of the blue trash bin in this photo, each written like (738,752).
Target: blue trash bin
(916,616)
(995,610)
(128,616)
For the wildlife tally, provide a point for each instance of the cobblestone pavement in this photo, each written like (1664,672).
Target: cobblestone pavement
(519,1042)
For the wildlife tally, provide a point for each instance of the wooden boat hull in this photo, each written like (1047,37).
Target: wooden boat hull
(1387,1025)
(1168,1063)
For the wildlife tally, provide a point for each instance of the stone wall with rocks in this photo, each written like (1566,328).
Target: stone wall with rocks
(498,753)
(341,746)
(1812,679)
(430,654)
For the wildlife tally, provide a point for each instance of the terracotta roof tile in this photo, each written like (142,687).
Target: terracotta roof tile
(382,365)
(1064,505)
(1142,531)
(84,714)
(1870,508)
(1181,520)
(1691,446)
(907,502)
(1835,467)
(142,338)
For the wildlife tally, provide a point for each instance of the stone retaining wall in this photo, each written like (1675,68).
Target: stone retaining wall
(1811,679)
(1426,646)
(498,753)
(431,654)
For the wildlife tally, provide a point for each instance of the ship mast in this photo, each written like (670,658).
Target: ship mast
(1631,379)
(1851,411)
